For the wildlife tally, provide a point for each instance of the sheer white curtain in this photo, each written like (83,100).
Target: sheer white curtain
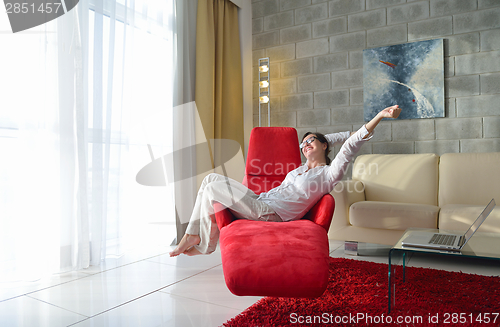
(31,204)
(82,97)
(185,113)
(130,67)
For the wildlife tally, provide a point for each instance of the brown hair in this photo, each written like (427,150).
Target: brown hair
(323,140)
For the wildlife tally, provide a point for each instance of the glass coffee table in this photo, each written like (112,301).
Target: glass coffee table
(481,245)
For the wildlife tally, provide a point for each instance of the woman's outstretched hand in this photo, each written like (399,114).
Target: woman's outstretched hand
(391,112)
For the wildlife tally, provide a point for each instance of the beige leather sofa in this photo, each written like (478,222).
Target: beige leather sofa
(390,193)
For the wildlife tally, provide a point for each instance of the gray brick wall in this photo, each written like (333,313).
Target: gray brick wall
(316,52)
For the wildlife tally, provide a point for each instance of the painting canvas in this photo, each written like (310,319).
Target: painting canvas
(410,75)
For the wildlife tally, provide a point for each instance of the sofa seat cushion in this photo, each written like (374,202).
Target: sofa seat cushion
(459,217)
(393,215)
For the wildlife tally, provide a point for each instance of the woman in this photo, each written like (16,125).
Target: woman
(296,195)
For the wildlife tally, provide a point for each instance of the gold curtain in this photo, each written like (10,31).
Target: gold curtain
(219,86)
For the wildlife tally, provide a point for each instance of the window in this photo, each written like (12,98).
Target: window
(130,91)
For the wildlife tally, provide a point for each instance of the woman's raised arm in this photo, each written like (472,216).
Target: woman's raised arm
(389,112)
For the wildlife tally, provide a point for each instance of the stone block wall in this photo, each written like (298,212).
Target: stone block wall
(315,48)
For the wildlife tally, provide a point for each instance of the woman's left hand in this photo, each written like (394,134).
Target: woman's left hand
(391,112)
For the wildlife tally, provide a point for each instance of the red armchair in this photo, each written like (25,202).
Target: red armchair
(281,259)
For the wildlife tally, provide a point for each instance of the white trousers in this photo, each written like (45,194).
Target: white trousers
(233,195)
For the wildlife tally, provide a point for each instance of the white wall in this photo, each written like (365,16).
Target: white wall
(316,49)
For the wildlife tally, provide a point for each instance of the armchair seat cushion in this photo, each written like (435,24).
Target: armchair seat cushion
(282,259)
(393,215)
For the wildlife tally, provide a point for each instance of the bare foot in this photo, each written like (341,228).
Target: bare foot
(185,244)
(192,251)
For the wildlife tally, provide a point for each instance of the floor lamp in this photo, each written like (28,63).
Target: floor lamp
(264,89)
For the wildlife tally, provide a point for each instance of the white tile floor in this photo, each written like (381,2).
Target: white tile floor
(148,288)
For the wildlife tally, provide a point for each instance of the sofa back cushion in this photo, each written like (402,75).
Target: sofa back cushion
(404,178)
(469,178)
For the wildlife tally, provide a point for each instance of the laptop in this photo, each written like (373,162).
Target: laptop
(447,241)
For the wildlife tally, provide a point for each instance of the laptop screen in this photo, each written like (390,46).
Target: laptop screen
(472,229)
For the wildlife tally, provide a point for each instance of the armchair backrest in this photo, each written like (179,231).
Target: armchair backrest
(272,153)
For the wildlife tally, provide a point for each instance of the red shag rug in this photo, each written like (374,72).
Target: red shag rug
(357,296)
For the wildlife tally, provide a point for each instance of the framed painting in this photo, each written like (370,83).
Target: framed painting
(410,75)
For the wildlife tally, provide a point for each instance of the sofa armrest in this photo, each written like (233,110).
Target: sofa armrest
(345,194)
(222,215)
(322,212)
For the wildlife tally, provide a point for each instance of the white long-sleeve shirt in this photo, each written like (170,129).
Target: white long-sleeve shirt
(302,188)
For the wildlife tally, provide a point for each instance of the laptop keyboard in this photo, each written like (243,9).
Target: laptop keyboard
(443,239)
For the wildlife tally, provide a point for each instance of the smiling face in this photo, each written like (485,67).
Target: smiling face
(315,150)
